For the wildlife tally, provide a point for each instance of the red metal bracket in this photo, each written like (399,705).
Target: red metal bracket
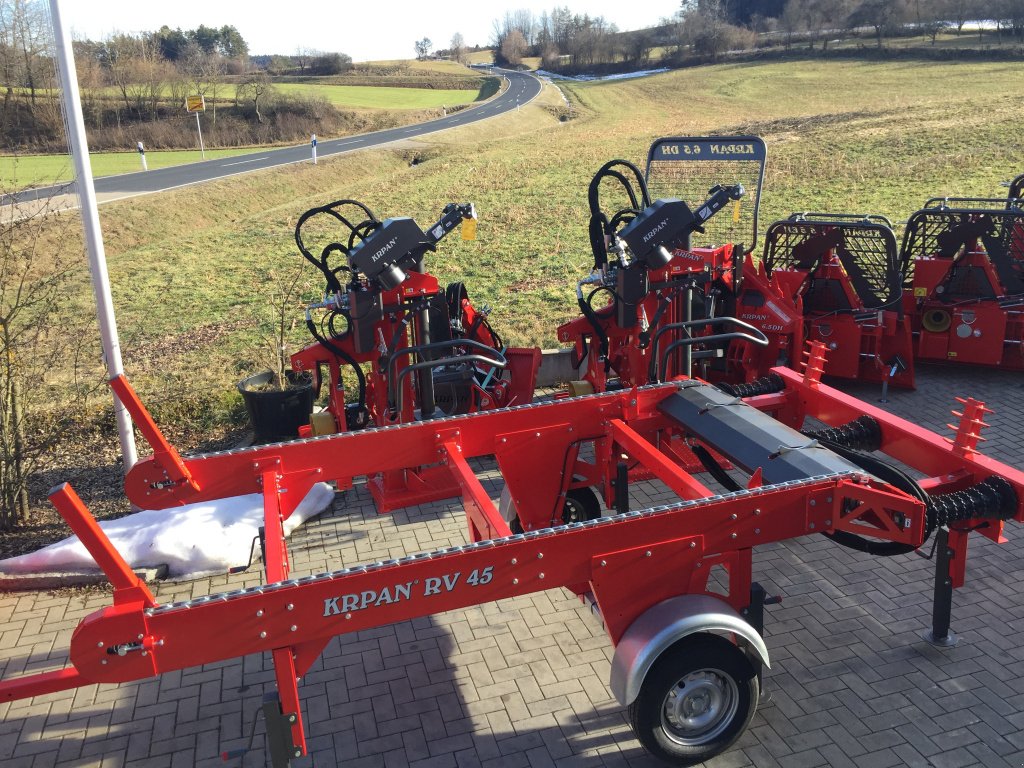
(275,550)
(164,454)
(814,366)
(683,483)
(128,588)
(968,432)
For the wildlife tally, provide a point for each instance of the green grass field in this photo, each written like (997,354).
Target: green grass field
(370,97)
(18,171)
(443,67)
(190,268)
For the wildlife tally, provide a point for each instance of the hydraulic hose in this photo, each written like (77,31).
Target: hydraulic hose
(600,225)
(344,356)
(592,317)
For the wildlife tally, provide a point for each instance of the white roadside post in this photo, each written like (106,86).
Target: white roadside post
(142,155)
(202,149)
(313,143)
(91,225)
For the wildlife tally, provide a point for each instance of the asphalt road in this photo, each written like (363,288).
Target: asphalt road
(522,89)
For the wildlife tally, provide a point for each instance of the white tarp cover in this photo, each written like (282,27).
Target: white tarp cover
(193,540)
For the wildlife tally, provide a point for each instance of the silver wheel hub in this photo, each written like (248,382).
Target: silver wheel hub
(699,707)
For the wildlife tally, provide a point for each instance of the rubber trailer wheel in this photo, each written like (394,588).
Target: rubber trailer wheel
(695,701)
(581,504)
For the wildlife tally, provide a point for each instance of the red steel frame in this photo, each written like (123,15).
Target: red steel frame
(621,560)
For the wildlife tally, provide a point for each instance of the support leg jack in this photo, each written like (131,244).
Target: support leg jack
(279,733)
(940,634)
(754,614)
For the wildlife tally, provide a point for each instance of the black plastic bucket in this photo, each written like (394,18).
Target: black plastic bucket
(276,415)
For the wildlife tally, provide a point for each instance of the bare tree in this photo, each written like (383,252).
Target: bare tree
(706,27)
(523,20)
(513,48)
(29,25)
(458,48)
(794,18)
(828,17)
(549,56)
(118,53)
(25,67)
(146,73)
(255,88)
(882,15)
(204,73)
(90,78)
(640,45)
(35,271)
(423,48)
(304,57)
(1011,16)
(959,11)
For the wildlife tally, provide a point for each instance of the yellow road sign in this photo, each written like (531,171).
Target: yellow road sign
(195,103)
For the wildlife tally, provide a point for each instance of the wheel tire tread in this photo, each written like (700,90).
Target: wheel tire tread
(719,652)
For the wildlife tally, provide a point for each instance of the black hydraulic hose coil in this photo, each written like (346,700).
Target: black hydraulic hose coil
(862,434)
(766,385)
(994,497)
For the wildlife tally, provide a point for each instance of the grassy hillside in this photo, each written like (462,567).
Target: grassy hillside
(369,97)
(190,268)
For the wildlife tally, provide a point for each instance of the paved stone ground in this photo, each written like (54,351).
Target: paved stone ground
(523,682)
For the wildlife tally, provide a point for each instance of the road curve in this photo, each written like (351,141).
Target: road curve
(522,89)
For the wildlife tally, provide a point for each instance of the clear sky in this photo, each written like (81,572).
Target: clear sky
(366,31)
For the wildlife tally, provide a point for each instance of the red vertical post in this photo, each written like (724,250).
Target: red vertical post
(275,551)
(127,586)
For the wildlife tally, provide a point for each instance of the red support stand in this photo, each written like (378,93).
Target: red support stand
(128,587)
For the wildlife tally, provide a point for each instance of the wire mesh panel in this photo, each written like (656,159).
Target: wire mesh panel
(866,250)
(687,167)
(942,232)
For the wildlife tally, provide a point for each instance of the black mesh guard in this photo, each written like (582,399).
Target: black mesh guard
(687,167)
(866,250)
(943,232)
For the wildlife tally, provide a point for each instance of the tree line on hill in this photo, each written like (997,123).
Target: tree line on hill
(134,85)
(567,42)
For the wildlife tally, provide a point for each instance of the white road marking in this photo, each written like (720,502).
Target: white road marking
(242,162)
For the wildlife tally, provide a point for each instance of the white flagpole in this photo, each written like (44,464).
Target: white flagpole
(91,225)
